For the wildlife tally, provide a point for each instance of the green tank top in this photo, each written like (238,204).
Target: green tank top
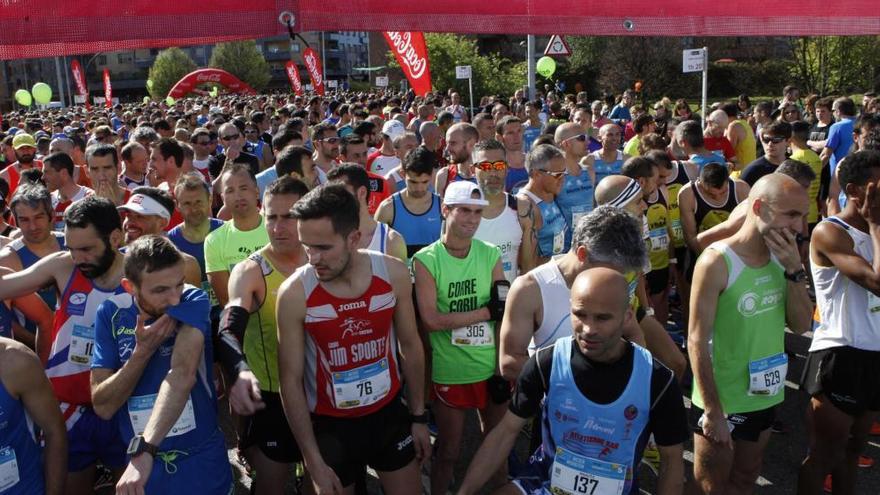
(468,354)
(261,335)
(658,231)
(748,336)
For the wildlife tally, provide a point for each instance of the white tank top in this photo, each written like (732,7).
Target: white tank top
(849,314)
(379,243)
(556,301)
(505,232)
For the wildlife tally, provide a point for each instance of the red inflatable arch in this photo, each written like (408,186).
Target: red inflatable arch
(201,76)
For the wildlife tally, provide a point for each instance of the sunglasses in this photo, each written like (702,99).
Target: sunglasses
(580,137)
(773,139)
(230,138)
(487,166)
(331,140)
(555,175)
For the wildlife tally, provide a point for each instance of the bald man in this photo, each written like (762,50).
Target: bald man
(591,378)
(714,138)
(575,199)
(460,141)
(608,160)
(746,290)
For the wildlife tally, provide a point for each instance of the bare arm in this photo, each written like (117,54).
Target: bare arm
(833,201)
(433,319)
(27,380)
(528,248)
(440,181)
(220,283)
(411,352)
(35,277)
(396,245)
(492,453)
(192,271)
(726,228)
(518,325)
(34,309)
(189,345)
(742,190)
(831,246)
(385,211)
(687,208)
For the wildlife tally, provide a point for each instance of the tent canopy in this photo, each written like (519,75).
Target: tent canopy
(41,28)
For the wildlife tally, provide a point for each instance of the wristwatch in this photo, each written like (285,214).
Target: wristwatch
(798,276)
(138,446)
(421,419)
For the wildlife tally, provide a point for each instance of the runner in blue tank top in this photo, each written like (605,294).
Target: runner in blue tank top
(608,160)
(169,417)
(27,403)
(599,397)
(546,167)
(575,199)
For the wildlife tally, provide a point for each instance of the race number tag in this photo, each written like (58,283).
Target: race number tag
(209,289)
(141,407)
(8,468)
(873,304)
(676,229)
(475,334)
(361,386)
(82,344)
(577,212)
(575,474)
(767,376)
(659,240)
(559,241)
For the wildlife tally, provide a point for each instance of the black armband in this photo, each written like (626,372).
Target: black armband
(233,323)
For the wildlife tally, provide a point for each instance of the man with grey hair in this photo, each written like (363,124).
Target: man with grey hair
(546,166)
(507,220)
(144,135)
(607,236)
(431,136)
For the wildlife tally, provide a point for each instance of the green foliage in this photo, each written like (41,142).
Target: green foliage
(766,77)
(492,74)
(243,60)
(836,64)
(169,67)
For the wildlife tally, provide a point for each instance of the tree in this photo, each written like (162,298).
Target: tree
(492,74)
(168,68)
(244,61)
(836,64)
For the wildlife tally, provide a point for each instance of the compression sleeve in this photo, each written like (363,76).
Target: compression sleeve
(233,322)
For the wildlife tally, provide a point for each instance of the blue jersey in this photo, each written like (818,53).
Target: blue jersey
(516,179)
(604,169)
(594,444)
(28,258)
(551,235)
(21,458)
(197,251)
(114,343)
(703,160)
(6,319)
(575,199)
(530,134)
(418,231)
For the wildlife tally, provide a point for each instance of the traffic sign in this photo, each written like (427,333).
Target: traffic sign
(382,81)
(462,71)
(557,47)
(693,60)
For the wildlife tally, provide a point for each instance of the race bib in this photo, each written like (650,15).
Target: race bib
(873,304)
(575,474)
(82,345)
(475,334)
(361,386)
(767,376)
(209,289)
(659,240)
(676,229)
(8,468)
(559,241)
(577,213)
(141,407)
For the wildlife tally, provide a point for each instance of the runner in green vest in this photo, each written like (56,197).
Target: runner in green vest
(248,347)
(460,288)
(746,289)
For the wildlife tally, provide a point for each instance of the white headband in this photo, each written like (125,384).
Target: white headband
(631,190)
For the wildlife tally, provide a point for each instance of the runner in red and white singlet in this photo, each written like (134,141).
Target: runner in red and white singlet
(351,311)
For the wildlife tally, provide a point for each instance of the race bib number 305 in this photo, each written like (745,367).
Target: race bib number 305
(576,475)
(476,334)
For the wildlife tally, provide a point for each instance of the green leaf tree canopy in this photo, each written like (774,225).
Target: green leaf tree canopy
(170,65)
(243,60)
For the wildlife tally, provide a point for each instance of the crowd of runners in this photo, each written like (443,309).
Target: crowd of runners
(348,276)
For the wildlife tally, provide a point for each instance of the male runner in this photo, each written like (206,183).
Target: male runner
(351,312)
(151,374)
(460,289)
(460,141)
(86,275)
(746,290)
(546,165)
(103,166)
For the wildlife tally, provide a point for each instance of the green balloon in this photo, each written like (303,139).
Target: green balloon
(214,91)
(23,97)
(169,101)
(149,83)
(546,66)
(146,99)
(42,93)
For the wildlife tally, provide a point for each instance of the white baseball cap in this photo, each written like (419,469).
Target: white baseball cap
(393,129)
(145,205)
(464,193)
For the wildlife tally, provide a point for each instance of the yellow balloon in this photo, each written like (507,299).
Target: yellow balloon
(42,93)
(23,97)
(546,66)
(169,101)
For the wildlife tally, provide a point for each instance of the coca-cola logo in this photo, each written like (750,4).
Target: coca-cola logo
(403,45)
(208,77)
(312,65)
(294,77)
